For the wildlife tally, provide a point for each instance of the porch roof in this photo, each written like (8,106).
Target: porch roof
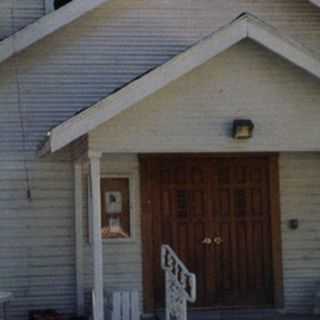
(246,26)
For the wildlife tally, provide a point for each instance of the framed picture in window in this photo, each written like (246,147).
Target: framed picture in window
(116,215)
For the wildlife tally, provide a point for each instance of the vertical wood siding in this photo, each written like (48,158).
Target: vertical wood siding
(16,14)
(68,71)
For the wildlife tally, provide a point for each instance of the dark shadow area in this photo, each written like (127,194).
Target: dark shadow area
(60,3)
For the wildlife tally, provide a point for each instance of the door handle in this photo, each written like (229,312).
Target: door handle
(217,240)
(207,241)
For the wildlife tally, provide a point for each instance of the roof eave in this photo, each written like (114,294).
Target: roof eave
(46,25)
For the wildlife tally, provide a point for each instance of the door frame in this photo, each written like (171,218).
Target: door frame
(147,220)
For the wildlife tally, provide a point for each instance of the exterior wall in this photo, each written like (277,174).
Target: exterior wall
(300,199)
(195,113)
(37,237)
(70,70)
(16,14)
(122,259)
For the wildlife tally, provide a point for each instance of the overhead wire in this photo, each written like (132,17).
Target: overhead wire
(19,107)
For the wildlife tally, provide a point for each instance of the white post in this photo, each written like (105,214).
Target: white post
(94,159)
(78,205)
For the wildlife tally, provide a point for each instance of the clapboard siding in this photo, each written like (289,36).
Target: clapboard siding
(66,72)
(122,262)
(37,237)
(300,199)
(14,15)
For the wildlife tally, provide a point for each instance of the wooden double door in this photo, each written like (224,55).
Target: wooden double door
(216,213)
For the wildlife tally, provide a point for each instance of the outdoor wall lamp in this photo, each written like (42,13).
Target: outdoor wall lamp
(242,129)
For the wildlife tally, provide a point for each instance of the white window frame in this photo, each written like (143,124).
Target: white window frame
(132,177)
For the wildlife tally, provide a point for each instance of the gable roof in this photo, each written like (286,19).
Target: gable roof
(245,26)
(46,25)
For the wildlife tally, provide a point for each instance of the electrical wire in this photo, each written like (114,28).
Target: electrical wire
(19,107)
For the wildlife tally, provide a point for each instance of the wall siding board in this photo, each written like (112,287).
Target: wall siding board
(16,14)
(301,254)
(36,238)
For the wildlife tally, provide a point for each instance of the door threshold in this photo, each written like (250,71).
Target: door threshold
(227,314)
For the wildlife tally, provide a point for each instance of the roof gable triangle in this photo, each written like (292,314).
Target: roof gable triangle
(245,26)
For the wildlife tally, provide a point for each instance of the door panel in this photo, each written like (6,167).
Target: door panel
(183,190)
(243,222)
(225,199)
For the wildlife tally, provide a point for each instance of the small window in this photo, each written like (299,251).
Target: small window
(115,208)
(60,3)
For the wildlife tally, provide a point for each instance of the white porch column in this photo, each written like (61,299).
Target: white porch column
(94,159)
(78,193)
